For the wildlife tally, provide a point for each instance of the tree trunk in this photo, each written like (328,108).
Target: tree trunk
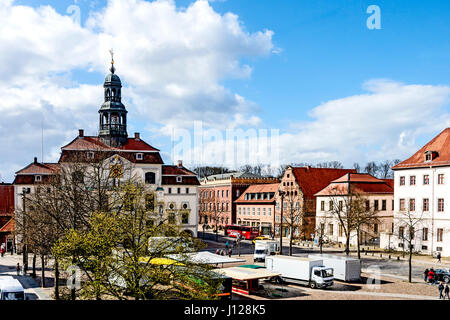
(34,266)
(357,244)
(56,280)
(410,264)
(42,272)
(290,241)
(347,245)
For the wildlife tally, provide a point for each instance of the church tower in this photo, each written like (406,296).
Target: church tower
(113,115)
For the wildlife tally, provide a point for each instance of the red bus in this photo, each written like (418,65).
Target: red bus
(247,232)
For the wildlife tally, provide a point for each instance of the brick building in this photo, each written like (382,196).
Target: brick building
(217,195)
(300,184)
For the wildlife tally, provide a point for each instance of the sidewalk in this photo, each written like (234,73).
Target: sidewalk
(33,291)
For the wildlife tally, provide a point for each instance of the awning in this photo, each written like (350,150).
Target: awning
(205,257)
(239,273)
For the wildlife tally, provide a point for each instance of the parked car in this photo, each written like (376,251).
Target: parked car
(442,275)
(260,238)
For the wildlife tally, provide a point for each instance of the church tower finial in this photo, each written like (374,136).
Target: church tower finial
(112,69)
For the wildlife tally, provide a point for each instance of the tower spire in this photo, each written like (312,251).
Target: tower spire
(112,69)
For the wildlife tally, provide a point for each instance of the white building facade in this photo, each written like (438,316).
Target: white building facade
(422,191)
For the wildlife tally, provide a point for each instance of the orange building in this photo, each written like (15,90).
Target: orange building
(256,207)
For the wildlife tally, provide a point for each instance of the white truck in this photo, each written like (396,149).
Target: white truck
(11,289)
(345,268)
(304,271)
(264,248)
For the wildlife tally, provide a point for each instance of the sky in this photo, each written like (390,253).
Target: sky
(311,73)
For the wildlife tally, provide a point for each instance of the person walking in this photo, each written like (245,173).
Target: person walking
(441,289)
(425,274)
(227,245)
(18,269)
(229,252)
(439,257)
(446,291)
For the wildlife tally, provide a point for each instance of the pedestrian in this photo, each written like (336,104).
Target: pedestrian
(425,274)
(217,251)
(441,289)
(18,268)
(227,244)
(222,252)
(446,291)
(439,257)
(431,276)
(229,252)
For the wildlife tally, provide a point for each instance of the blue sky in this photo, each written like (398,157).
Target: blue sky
(322,54)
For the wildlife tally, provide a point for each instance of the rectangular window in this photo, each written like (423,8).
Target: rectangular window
(169,190)
(402,204)
(341,230)
(187,190)
(179,190)
(440,205)
(270,212)
(139,156)
(330,229)
(259,211)
(440,234)
(253,211)
(367,205)
(401,232)
(239,211)
(375,228)
(383,205)
(412,180)
(412,204)
(330,205)
(322,205)
(264,211)
(341,205)
(426,204)
(402,181)
(425,234)
(441,178)
(375,205)
(90,155)
(426,179)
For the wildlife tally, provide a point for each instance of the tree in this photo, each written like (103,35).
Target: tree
(357,167)
(371,168)
(124,254)
(350,208)
(408,225)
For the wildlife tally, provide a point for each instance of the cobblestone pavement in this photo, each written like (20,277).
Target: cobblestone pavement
(33,291)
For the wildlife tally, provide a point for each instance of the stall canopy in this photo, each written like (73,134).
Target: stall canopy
(204,257)
(240,273)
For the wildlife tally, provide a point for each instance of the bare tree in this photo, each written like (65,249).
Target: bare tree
(357,167)
(371,168)
(408,224)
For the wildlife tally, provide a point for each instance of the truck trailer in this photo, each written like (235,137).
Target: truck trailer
(345,268)
(301,270)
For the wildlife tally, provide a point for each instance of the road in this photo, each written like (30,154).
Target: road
(393,268)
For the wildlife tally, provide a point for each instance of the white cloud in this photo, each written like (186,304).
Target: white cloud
(171,62)
(383,124)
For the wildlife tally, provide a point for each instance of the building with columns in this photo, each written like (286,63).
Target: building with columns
(175,186)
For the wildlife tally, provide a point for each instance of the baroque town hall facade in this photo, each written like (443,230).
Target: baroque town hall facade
(174,186)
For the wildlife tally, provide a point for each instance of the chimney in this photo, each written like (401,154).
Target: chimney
(35,160)
(81,133)
(180,163)
(137,136)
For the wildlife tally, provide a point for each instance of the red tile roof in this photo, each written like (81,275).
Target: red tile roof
(95,144)
(8,227)
(312,180)
(363,183)
(440,144)
(170,173)
(39,168)
(175,170)
(259,188)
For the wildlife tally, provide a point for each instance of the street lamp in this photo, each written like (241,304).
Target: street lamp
(282,194)
(25,191)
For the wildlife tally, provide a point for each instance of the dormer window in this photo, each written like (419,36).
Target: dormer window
(90,155)
(430,155)
(139,156)
(38,178)
(179,179)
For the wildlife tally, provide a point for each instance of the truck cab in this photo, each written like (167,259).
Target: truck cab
(264,248)
(11,289)
(321,277)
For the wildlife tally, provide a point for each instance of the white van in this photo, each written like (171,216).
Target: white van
(11,289)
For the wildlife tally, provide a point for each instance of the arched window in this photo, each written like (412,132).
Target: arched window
(113,94)
(150,177)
